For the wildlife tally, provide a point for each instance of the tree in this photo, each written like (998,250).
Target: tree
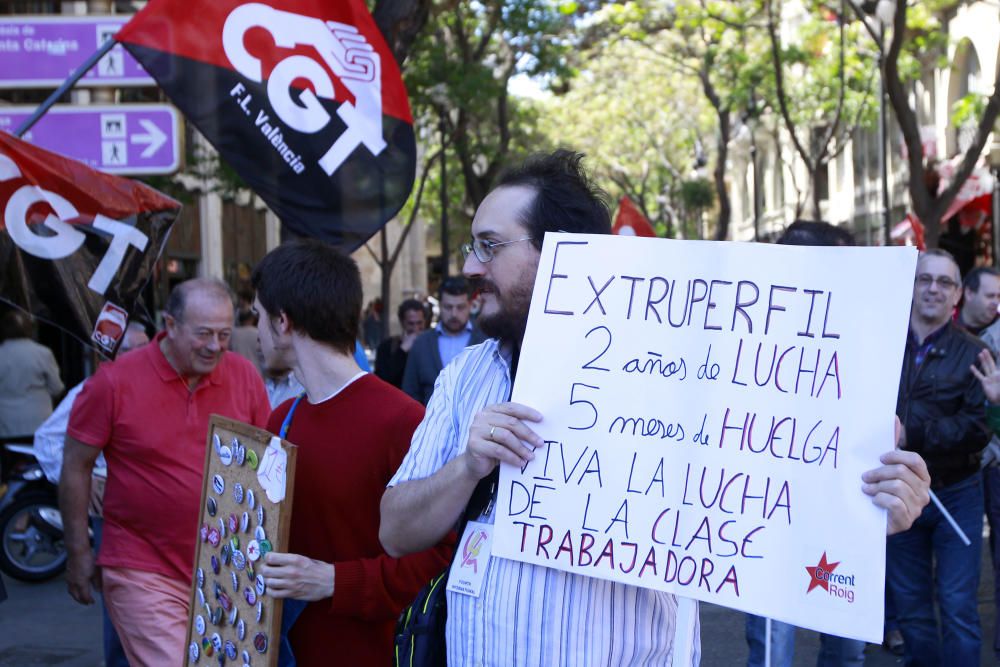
(709,42)
(911,27)
(642,126)
(832,86)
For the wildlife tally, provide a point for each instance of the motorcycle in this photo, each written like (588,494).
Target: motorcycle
(31,529)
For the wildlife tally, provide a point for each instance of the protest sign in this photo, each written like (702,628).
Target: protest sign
(709,410)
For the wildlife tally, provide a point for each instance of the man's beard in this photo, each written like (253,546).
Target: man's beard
(507,324)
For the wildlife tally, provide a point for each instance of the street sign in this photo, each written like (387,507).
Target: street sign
(120,139)
(41,51)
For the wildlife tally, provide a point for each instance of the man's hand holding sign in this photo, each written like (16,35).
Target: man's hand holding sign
(707,430)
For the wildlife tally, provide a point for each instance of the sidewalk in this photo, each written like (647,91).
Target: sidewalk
(41,626)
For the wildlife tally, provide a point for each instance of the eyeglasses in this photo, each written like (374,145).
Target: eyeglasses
(943,282)
(484,249)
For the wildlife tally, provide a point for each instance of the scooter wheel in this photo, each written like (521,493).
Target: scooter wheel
(31,548)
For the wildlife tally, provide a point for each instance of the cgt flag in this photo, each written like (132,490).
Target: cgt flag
(301,97)
(76,245)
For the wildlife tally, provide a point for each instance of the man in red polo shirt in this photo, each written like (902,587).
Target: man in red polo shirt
(148,412)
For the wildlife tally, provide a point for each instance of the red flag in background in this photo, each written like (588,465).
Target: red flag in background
(301,97)
(630,221)
(76,245)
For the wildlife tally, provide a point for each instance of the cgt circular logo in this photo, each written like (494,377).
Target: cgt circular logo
(837,584)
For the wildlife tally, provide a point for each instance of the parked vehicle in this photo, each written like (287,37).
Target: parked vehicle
(31,529)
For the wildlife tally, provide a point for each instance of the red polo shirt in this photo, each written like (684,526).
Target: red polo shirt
(153,430)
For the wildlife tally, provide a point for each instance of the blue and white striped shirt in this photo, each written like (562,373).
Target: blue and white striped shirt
(527,614)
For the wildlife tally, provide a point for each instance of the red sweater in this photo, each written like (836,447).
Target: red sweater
(349,448)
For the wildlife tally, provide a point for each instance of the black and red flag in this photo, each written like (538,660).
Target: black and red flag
(76,245)
(301,97)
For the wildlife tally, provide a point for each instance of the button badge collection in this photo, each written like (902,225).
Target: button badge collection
(236,543)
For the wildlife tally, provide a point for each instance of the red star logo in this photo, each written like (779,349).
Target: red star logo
(814,577)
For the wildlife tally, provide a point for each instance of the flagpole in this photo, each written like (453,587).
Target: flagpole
(66,85)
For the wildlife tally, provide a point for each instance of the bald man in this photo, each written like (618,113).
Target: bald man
(148,413)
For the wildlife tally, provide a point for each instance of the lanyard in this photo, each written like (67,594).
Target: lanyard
(285,425)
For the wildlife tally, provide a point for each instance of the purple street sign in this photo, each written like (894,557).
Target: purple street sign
(120,139)
(42,51)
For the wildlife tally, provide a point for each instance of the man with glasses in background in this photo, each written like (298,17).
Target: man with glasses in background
(941,406)
(148,413)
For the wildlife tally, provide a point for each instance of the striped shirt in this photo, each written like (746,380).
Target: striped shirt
(527,614)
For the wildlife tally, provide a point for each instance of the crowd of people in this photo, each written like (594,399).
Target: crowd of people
(389,461)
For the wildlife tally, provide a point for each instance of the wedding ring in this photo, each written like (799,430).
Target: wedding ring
(492,428)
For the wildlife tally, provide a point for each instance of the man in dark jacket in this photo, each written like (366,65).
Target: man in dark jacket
(941,405)
(434,349)
(390,358)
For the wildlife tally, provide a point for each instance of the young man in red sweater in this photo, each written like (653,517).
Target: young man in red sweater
(352,430)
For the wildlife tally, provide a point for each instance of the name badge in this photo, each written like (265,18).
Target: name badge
(468,568)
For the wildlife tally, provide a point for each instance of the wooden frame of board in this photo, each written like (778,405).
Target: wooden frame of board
(224,596)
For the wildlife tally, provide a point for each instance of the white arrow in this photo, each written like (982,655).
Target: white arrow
(154,138)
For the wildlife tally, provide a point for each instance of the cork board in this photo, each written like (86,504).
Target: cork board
(245,512)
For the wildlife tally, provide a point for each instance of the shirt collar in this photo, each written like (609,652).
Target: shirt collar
(168,373)
(931,337)
(442,332)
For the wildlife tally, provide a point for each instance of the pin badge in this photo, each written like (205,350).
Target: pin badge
(204,532)
(259,584)
(199,624)
(260,642)
(218,484)
(241,629)
(246,657)
(194,652)
(260,610)
(236,582)
(230,650)
(265,547)
(251,596)
(218,590)
(244,522)
(252,459)
(201,578)
(211,506)
(215,564)
(260,515)
(234,542)
(234,523)
(232,617)
(214,537)
(225,554)
(239,560)
(226,455)
(222,527)
(251,499)
(225,601)
(253,550)
(201,596)
(259,533)
(238,493)
(216,641)
(206,646)
(216,442)
(239,454)
(217,616)
(251,573)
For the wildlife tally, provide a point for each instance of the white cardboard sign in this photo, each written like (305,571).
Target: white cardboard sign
(709,410)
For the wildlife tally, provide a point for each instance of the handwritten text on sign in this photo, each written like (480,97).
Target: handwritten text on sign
(709,410)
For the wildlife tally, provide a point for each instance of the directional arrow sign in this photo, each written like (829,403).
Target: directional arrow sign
(121,139)
(41,51)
